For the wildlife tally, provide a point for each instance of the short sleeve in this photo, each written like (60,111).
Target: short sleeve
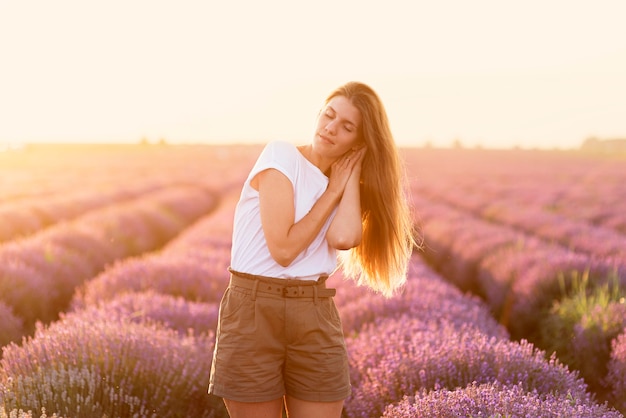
(278,155)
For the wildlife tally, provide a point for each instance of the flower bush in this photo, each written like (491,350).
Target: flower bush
(177,275)
(28,216)
(403,355)
(170,311)
(495,400)
(114,232)
(425,296)
(493,226)
(616,377)
(26,414)
(86,366)
(581,325)
(11,326)
(194,265)
(26,290)
(509,270)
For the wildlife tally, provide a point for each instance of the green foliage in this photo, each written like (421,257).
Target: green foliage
(580,326)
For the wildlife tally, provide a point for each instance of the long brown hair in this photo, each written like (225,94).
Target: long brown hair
(381,259)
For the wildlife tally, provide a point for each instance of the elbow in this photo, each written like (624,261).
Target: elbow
(344,243)
(283,257)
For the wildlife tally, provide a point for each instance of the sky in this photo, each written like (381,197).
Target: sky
(490,73)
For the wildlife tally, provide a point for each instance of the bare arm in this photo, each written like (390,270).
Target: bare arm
(286,238)
(346,228)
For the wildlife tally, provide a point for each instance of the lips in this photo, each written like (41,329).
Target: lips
(325,139)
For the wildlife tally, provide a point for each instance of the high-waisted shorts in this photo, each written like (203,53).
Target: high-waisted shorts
(279,337)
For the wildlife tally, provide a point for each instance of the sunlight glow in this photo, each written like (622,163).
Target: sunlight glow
(496,74)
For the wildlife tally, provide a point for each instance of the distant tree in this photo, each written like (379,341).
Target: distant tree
(590,143)
(608,146)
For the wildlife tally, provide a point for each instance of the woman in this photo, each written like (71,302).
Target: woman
(279,340)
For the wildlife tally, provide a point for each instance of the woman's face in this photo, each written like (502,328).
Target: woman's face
(338,128)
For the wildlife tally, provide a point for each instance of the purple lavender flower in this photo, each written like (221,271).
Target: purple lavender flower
(495,400)
(426,296)
(11,326)
(177,276)
(590,346)
(93,367)
(616,378)
(193,266)
(172,312)
(59,265)
(403,355)
(26,291)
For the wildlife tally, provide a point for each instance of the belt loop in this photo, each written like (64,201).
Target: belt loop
(254,288)
(315,295)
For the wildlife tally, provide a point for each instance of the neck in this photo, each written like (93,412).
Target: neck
(315,159)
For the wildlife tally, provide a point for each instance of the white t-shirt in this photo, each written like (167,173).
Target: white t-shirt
(249,253)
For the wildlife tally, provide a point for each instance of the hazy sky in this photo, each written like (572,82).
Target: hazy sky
(497,73)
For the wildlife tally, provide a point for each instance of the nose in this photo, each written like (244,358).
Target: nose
(331,127)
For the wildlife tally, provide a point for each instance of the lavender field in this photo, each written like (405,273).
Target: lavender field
(113,260)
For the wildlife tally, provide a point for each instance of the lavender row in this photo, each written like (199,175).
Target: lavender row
(153,310)
(617,371)
(425,295)
(46,171)
(39,274)
(599,204)
(11,326)
(529,178)
(193,244)
(27,216)
(93,364)
(509,269)
(172,293)
(505,266)
(126,290)
(133,309)
(607,214)
(432,337)
(494,400)
(194,265)
(579,236)
(584,188)
(587,346)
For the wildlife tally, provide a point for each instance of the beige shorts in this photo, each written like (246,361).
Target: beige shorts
(274,340)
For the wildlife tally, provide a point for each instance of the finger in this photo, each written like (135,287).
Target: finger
(357,155)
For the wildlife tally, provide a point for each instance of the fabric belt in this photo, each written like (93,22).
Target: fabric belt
(288,288)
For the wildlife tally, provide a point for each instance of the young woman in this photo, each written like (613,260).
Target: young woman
(279,340)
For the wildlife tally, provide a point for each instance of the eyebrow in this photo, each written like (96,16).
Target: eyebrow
(343,119)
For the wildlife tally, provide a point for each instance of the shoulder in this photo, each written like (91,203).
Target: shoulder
(281,148)
(279,152)
(278,155)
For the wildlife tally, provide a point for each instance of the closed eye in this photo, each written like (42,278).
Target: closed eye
(348,125)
